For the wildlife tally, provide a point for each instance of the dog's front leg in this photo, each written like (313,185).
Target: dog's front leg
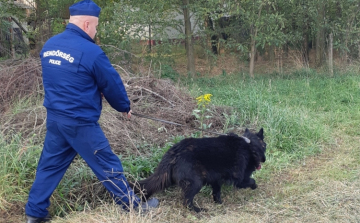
(253,184)
(249,182)
(216,192)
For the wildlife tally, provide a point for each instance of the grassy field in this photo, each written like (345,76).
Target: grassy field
(311,174)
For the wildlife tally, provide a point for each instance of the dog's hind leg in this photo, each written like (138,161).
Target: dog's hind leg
(190,188)
(216,187)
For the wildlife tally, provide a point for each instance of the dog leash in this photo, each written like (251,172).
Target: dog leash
(178,124)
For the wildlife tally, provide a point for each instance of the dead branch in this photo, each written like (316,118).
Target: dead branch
(154,93)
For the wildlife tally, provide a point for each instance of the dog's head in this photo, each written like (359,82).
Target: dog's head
(257,145)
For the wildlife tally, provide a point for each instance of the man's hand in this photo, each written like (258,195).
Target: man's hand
(128,114)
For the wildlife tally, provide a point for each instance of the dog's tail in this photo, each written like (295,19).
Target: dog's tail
(159,180)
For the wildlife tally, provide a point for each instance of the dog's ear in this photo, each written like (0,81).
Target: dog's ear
(260,134)
(247,130)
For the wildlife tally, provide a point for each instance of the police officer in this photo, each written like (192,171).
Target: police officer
(76,72)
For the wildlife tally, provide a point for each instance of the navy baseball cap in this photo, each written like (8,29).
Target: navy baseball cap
(85,7)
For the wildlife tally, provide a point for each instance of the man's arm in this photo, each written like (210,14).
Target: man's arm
(110,84)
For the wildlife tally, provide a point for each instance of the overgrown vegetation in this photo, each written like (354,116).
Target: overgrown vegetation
(302,114)
(252,31)
(299,111)
(310,112)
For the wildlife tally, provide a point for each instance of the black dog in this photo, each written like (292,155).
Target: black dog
(194,162)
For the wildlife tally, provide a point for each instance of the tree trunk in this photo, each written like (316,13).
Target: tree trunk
(253,32)
(19,24)
(12,45)
(305,50)
(346,42)
(344,52)
(306,28)
(150,39)
(331,70)
(252,56)
(279,55)
(320,40)
(188,40)
(213,39)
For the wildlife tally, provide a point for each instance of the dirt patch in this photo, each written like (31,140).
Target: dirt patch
(12,213)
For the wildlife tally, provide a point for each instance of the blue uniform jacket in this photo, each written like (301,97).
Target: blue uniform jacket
(75,73)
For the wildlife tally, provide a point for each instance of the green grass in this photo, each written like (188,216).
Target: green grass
(300,113)
(17,173)
(17,166)
(142,166)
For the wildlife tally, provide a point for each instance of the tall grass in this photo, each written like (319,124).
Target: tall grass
(142,166)
(78,188)
(298,112)
(17,173)
(17,166)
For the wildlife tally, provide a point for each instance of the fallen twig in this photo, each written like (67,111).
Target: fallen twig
(142,88)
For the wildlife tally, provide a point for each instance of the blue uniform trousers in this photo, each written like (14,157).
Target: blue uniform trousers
(63,141)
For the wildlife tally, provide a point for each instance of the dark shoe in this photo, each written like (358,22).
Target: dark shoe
(149,204)
(30,219)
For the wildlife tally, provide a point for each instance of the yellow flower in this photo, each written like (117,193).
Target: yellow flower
(204,99)
(199,99)
(207,97)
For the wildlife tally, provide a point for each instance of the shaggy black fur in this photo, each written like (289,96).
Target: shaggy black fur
(194,162)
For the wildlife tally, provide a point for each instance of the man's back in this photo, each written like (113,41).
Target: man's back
(73,76)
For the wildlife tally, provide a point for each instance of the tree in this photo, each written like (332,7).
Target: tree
(188,39)
(134,17)
(320,34)
(241,27)
(264,22)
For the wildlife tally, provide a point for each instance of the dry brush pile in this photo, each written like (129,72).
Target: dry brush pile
(21,96)
(20,87)
(22,114)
